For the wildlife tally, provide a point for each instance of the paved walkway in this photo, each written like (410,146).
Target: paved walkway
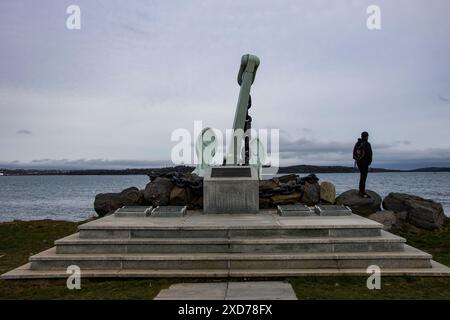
(252,290)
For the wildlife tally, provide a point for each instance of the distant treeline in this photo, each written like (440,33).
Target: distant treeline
(156,171)
(326,169)
(146,171)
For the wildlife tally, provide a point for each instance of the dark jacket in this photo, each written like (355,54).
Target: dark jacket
(367,159)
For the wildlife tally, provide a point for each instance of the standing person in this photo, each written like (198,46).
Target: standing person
(362,153)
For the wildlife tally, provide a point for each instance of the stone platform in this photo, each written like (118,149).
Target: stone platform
(229,245)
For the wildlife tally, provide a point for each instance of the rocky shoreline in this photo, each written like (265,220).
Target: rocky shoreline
(183,188)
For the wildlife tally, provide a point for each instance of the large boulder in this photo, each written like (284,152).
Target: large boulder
(420,212)
(157,192)
(105,203)
(289,189)
(194,198)
(287,178)
(358,204)
(178,196)
(265,203)
(132,197)
(389,219)
(311,193)
(327,192)
(175,188)
(268,184)
(285,198)
(310,178)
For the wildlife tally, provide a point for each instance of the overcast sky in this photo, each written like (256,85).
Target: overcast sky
(110,94)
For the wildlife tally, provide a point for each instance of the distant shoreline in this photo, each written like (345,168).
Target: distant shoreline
(304,169)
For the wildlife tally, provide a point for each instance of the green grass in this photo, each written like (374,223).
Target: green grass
(347,287)
(436,242)
(19,240)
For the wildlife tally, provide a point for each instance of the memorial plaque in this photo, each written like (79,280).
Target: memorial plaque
(299,210)
(231,189)
(169,211)
(133,211)
(333,210)
(231,172)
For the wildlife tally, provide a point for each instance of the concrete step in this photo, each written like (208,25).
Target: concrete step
(227,233)
(409,258)
(195,225)
(25,272)
(75,244)
(258,245)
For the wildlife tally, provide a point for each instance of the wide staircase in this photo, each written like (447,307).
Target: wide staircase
(254,245)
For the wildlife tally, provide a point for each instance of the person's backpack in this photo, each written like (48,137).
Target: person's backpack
(359,151)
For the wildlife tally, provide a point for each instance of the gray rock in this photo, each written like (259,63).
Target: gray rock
(158,191)
(265,203)
(285,198)
(403,215)
(311,193)
(420,212)
(194,198)
(389,219)
(178,196)
(132,197)
(287,178)
(268,184)
(105,203)
(327,192)
(358,204)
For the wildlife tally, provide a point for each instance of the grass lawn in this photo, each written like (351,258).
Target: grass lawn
(20,239)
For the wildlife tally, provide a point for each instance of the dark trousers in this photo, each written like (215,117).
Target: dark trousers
(364,170)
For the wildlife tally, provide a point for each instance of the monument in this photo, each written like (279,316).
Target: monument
(234,187)
(231,237)
(231,189)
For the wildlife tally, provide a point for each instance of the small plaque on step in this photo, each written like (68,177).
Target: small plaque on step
(299,210)
(332,210)
(133,211)
(169,211)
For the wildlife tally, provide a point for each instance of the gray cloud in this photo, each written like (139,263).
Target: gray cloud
(404,142)
(395,155)
(134,29)
(305,146)
(24,131)
(117,88)
(441,97)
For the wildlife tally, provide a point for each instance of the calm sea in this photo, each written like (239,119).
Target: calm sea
(72,197)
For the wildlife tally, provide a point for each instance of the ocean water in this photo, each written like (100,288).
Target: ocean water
(58,197)
(72,197)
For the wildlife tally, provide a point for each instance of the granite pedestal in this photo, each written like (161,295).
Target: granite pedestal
(231,189)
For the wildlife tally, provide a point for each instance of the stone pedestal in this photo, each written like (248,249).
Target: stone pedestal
(231,189)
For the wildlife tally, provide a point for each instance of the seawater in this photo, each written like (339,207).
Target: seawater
(72,197)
